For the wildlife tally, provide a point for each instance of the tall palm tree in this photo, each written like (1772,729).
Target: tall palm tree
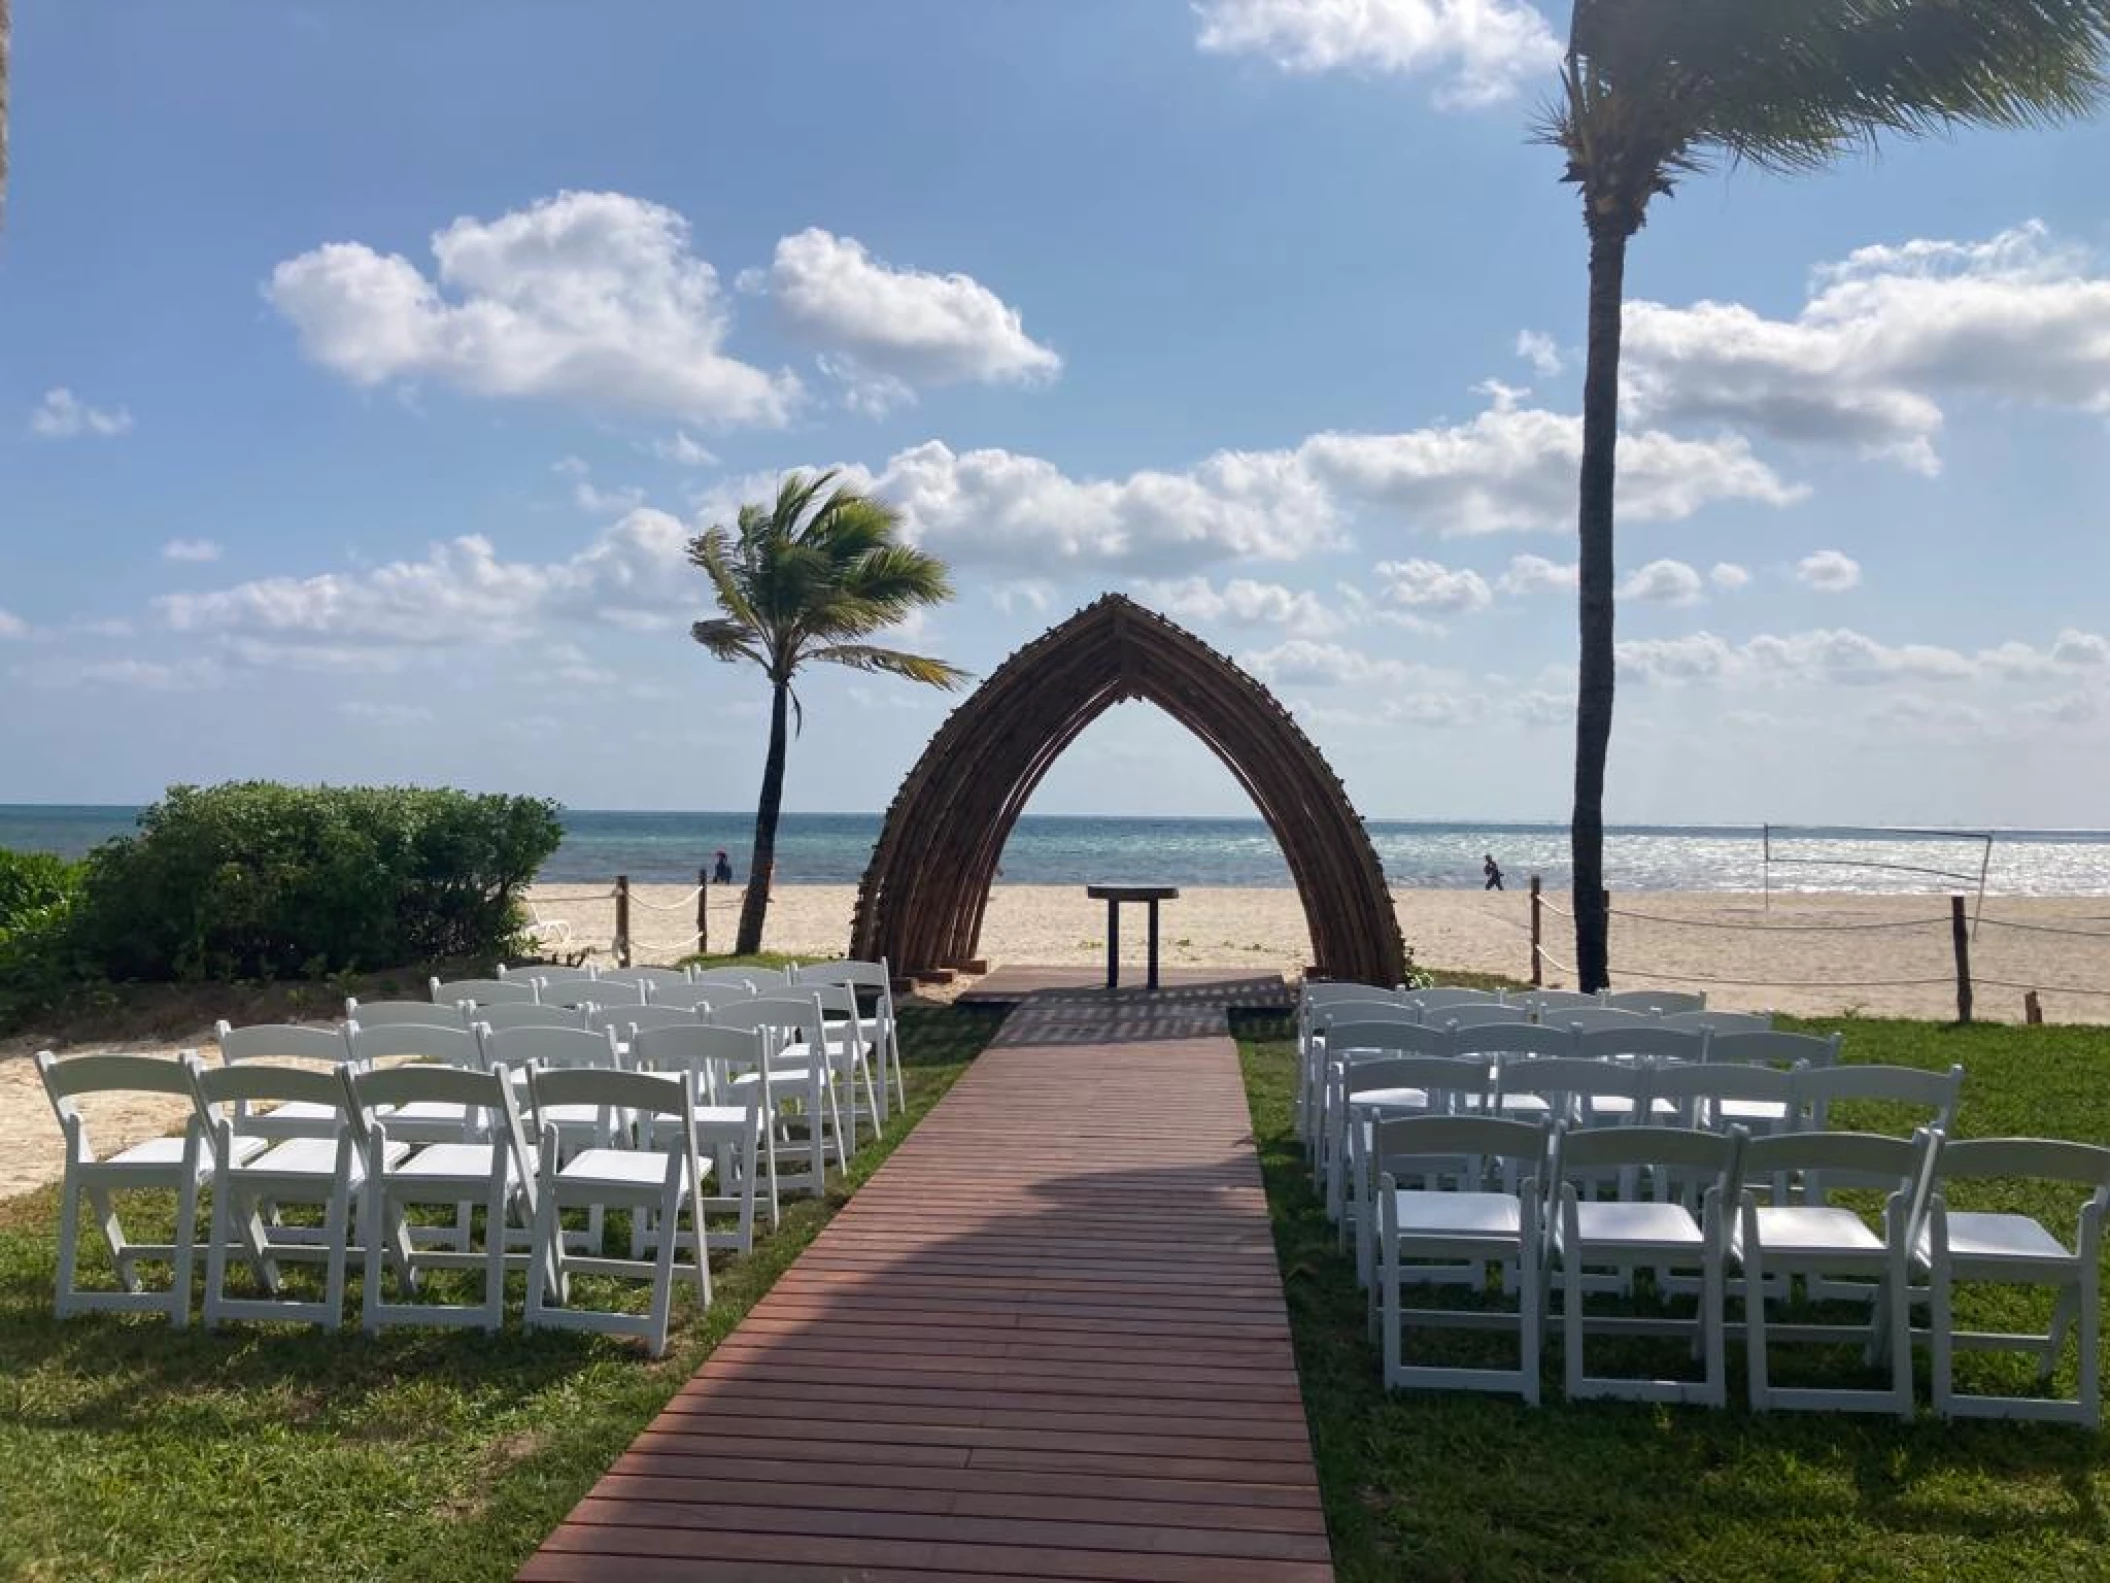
(7,31)
(799,582)
(1656,90)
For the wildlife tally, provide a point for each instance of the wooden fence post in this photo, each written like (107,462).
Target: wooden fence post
(622,920)
(1538,976)
(703,912)
(2032,1009)
(1960,932)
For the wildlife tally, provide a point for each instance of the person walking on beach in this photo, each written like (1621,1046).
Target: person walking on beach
(722,872)
(1493,871)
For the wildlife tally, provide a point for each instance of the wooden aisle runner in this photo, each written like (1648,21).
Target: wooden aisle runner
(1046,1341)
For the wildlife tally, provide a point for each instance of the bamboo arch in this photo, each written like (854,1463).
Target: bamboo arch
(921,903)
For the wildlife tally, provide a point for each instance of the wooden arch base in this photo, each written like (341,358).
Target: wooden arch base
(921,902)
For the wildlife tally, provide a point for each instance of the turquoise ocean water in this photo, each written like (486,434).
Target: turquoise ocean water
(1059,850)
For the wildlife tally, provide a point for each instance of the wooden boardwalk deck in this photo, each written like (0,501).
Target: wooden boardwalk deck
(1046,1341)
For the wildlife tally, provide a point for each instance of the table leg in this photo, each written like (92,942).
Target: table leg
(1113,944)
(1153,943)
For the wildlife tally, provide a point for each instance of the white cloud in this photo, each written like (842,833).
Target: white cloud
(634,574)
(1244,603)
(1541,351)
(1301,662)
(1534,574)
(683,451)
(1828,572)
(1022,594)
(1698,656)
(1884,340)
(1663,583)
(12,625)
(591,499)
(1419,586)
(2070,651)
(177,676)
(192,550)
(587,297)
(890,330)
(1823,657)
(1483,49)
(62,415)
(1729,576)
(385,714)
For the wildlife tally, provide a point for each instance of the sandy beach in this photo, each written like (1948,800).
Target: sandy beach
(1816,955)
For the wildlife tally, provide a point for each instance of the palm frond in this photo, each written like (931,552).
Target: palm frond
(893,662)
(729,641)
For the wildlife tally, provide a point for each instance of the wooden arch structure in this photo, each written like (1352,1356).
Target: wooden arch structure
(922,900)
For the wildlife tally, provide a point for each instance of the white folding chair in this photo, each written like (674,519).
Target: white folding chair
(1719,1021)
(1636,1042)
(1370,1088)
(281,1042)
(753,979)
(512,989)
(2012,1249)
(1312,1000)
(603,991)
(623,1019)
(1315,1023)
(544,972)
(1549,1005)
(1769,1047)
(1658,1002)
(1795,1234)
(1937,1094)
(487,1161)
(247,1192)
(728,1116)
(415,1013)
(873,981)
(1455,1233)
(180,1165)
(1493,1042)
(650,979)
(1662,1232)
(1760,1099)
(1431,1001)
(852,1050)
(431,1121)
(665,1182)
(1336,1044)
(792,1024)
(1478,1014)
(1595,1019)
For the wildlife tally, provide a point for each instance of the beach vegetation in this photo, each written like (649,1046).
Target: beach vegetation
(811,578)
(1655,91)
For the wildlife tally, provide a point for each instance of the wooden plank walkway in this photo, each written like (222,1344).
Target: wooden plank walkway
(1007,985)
(1046,1341)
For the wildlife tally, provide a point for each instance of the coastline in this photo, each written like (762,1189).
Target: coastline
(1814,954)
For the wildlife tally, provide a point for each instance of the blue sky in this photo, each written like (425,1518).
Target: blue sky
(364,368)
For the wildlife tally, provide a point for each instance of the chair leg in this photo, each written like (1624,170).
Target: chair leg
(1529,1299)
(186,1251)
(1713,1331)
(106,1221)
(1897,1295)
(1571,1288)
(2063,1314)
(372,1273)
(2091,1343)
(495,1216)
(336,1232)
(1759,1371)
(69,1242)
(216,1250)
(1941,1344)
(663,1271)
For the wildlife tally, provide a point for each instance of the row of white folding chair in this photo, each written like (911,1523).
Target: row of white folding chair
(1587,1092)
(1748,1238)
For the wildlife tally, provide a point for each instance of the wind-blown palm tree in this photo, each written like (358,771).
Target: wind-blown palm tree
(800,582)
(1656,90)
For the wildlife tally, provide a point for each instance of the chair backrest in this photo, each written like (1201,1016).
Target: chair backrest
(846,970)
(1822,1161)
(788,1012)
(484,991)
(650,977)
(1719,1021)
(444,1046)
(1432,1000)
(546,972)
(1477,1143)
(1443,1080)
(1688,1087)
(1475,1015)
(526,1049)
(377,1090)
(276,1041)
(754,977)
(1589,1019)
(712,1054)
(224,1093)
(1660,1001)
(1565,1081)
(685,997)
(1773,1049)
(624,1018)
(1817,1089)
(1540,1001)
(595,992)
(1590,1152)
(2027,1159)
(647,1093)
(1331,1013)
(1651,1040)
(1387,1037)
(1511,1038)
(529,1016)
(416,1013)
(66,1080)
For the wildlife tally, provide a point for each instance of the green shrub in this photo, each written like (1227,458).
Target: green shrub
(39,960)
(257,880)
(31,882)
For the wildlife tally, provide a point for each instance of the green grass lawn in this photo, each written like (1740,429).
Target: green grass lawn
(1456,1486)
(270,1452)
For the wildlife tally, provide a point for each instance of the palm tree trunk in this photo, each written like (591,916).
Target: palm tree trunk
(1596,665)
(6,46)
(756,905)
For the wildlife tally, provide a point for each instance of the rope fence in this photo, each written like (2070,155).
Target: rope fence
(1962,926)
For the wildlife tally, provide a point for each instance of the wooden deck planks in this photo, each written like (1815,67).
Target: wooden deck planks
(1046,1341)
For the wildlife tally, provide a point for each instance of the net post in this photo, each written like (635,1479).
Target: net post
(1538,974)
(1960,934)
(622,920)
